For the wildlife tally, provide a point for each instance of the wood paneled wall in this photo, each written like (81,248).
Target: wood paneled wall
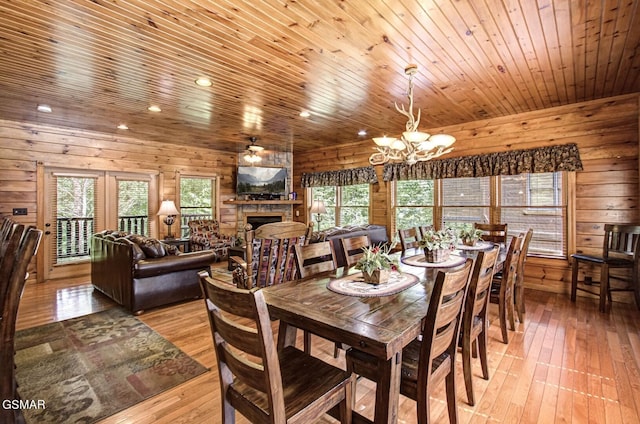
(606,132)
(23,145)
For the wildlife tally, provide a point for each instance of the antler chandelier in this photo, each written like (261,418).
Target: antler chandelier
(413,146)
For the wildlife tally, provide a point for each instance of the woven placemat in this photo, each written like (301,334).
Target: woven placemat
(480,245)
(354,285)
(420,260)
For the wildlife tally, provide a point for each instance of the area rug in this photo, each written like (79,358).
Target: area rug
(87,368)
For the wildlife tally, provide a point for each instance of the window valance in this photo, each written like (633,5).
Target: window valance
(343,177)
(543,159)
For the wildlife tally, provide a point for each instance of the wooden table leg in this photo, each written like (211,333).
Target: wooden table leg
(386,375)
(286,335)
(388,391)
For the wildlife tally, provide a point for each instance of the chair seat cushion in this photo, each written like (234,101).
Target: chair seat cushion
(611,261)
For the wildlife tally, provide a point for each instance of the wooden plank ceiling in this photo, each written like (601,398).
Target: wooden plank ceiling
(102,63)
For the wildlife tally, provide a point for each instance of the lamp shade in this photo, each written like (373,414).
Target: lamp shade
(318,207)
(167,208)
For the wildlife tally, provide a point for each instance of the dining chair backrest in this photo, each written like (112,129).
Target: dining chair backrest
(424,229)
(24,243)
(409,238)
(621,241)
(251,368)
(518,288)
(352,248)
(495,233)
(315,258)
(270,252)
(503,287)
(436,361)
(475,323)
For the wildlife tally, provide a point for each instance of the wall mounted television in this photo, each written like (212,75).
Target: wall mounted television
(261,182)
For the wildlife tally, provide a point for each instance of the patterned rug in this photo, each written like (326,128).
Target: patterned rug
(87,368)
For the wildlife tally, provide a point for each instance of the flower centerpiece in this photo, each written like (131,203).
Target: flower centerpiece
(438,244)
(470,235)
(376,263)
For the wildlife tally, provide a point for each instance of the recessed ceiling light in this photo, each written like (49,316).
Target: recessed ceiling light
(362,132)
(305,114)
(123,127)
(154,108)
(203,82)
(44,108)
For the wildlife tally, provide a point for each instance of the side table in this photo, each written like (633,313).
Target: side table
(235,251)
(180,243)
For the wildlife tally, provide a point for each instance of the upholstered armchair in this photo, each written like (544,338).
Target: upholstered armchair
(204,234)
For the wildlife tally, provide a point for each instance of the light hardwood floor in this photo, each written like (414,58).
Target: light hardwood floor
(567,363)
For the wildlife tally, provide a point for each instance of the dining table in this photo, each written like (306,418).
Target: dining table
(373,321)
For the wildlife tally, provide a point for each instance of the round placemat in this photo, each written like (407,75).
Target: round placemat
(354,285)
(480,245)
(420,260)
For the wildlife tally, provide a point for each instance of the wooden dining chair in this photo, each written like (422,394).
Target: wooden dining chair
(430,360)
(23,245)
(619,251)
(352,248)
(475,324)
(313,259)
(424,229)
(518,288)
(261,383)
(269,254)
(409,238)
(495,233)
(502,288)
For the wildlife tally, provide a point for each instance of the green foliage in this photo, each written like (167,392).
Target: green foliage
(469,233)
(438,239)
(196,192)
(75,197)
(376,257)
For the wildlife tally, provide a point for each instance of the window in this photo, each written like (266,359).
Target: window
(74,217)
(536,201)
(523,201)
(413,203)
(328,196)
(465,201)
(197,196)
(347,205)
(354,204)
(133,206)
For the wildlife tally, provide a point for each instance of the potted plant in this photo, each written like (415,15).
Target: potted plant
(470,235)
(438,244)
(376,264)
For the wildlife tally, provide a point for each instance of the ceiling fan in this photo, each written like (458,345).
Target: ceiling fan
(251,155)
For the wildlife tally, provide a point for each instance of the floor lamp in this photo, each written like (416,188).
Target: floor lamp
(168,209)
(318,208)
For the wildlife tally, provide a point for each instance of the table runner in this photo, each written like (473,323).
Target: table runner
(420,260)
(354,285)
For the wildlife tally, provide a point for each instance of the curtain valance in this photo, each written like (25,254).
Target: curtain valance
(343,177)
(543,159)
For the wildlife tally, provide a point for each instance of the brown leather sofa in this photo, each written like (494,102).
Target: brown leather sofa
(140,273)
